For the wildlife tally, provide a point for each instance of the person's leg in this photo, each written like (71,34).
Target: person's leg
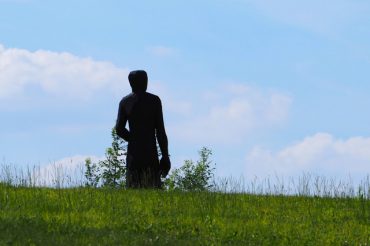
(145,177)
(151,178)
(132,178)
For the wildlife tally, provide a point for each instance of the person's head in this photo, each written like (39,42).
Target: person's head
(138,81)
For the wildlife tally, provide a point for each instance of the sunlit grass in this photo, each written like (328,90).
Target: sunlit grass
(104,216)
(235,213)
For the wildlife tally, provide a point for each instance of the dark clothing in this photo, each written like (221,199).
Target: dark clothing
(143,111)
(143,178)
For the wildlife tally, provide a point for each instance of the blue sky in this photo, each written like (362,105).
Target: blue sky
(271,86)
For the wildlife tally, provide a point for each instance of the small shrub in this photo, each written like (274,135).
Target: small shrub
(110,172)
(92,173)
(193,176)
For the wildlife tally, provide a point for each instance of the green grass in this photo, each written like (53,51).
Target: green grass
(75,216)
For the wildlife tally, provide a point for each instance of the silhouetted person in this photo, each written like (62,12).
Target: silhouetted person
(143,111)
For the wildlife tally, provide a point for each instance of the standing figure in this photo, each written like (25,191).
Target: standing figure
(143,111)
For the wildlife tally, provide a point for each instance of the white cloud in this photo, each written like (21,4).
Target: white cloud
(61,74)
(233,111)
(68,171)
(321,153)
(161,51)
(314,15)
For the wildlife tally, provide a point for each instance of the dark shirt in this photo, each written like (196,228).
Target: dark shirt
(143,111)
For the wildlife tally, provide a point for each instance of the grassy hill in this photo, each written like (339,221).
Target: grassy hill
(45,216)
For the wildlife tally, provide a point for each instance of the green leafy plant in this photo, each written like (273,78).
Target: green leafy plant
(92,173)
(110,172)
(193,176)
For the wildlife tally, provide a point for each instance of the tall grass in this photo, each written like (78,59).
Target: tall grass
(305,185)
(59,176)
(54,176)
(50,206)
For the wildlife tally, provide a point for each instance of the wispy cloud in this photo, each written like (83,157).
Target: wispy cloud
(314,15)
(161,51)
(171,102)
(15,1)
(233,111)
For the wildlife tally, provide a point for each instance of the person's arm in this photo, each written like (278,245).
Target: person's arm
(161,132)
(121,123)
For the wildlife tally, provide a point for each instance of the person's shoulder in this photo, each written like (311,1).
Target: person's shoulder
(127,98)
(153,97)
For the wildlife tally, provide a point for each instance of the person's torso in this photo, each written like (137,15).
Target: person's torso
(141,110)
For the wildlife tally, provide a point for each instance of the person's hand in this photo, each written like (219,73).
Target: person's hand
(164,165)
